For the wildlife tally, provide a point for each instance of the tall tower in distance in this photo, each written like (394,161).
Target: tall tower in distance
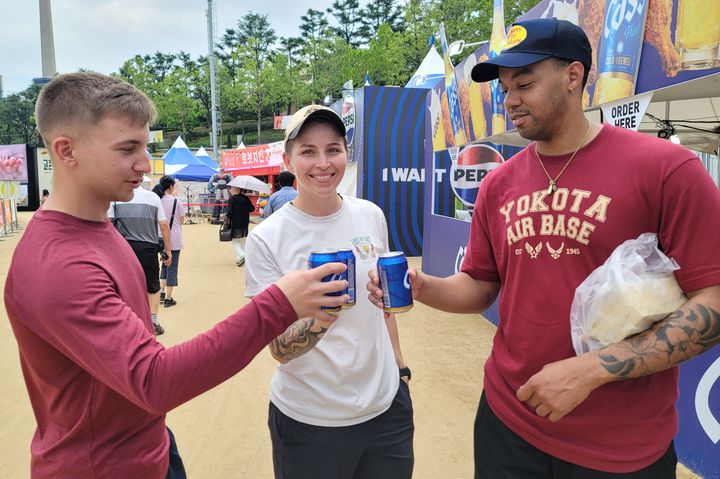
(47,43)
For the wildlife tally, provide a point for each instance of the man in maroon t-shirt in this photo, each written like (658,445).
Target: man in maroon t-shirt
(543,221)
(98,381)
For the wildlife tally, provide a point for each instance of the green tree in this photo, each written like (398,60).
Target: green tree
(347,14)
(139,71)
(177,106)
(291,48)
(251,46)
(17,117)
(385,58)
(314,31)
(377,12)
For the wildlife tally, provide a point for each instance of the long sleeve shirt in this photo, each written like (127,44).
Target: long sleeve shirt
(98,381)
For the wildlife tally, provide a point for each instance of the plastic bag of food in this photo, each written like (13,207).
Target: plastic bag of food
(635,288)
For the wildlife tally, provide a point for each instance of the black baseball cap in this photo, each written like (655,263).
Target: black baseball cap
(531,41)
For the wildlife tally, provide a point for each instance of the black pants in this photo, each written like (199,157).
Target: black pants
(502,454)
(176,469)
(381,448)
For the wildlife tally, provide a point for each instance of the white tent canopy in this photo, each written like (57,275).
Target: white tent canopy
(430,71)
(689,107)
(206,159)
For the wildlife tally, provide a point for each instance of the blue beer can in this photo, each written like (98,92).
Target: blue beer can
(319,258)
(347,256)
(395,282)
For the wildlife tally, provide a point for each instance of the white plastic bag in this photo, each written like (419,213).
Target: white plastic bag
(632,290)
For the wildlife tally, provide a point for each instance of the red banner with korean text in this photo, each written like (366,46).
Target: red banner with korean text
(254,157)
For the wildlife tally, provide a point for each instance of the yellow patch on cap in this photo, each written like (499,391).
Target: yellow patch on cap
(517,34)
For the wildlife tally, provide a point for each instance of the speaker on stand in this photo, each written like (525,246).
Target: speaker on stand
(188,197)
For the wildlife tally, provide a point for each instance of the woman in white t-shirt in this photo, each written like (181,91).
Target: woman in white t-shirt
(340,406)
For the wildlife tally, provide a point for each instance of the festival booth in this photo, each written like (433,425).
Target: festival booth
(656,55)
(264,162)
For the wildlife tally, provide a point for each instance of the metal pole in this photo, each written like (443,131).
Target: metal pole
(47,42)
(213,87)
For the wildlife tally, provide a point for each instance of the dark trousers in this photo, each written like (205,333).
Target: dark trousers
(219,208)
(381,448)
(176,469)
(502,454)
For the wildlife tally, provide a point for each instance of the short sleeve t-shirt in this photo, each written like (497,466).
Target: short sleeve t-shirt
(137,219)
(350,376)
(541,247)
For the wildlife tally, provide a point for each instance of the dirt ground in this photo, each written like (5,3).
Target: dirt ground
(223,433)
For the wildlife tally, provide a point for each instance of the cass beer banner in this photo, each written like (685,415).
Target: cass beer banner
(638,46)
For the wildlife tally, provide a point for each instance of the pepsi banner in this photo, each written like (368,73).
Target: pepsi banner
(698,439)
(393,173)
(457,176)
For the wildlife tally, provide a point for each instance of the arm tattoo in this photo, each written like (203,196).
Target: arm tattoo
(296,340)
(689,331)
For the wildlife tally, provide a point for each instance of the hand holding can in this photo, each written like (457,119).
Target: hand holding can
(319,258)
(310,292)
(394,278)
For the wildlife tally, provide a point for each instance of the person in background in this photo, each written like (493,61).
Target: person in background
(238,220)
(98,381)
(139,221)
(218,185)
(283,195)
(167,189)
(340,405)
(44,197)
(543,221)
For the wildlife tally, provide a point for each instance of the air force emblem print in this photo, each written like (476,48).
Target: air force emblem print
(533,252)
(555,253)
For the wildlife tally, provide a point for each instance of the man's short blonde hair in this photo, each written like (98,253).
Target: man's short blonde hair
(83,99)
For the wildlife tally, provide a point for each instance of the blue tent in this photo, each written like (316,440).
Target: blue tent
(206,159)
(194,173)
(179,154)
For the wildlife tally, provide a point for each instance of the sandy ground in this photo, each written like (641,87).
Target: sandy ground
(223,433)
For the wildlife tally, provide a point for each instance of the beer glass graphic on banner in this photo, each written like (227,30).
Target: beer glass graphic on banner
(697,34)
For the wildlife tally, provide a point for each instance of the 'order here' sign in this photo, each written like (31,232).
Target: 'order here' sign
(628,112)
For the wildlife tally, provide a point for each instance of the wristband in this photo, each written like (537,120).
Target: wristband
(405,372)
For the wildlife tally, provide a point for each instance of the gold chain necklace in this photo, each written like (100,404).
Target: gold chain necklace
(552,182)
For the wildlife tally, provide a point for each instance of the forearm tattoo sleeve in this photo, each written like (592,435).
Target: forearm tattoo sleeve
(689,331)
(297,339)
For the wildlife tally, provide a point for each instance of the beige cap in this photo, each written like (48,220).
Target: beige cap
(311,111)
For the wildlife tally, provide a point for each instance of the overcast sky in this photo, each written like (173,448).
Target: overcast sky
(101,34)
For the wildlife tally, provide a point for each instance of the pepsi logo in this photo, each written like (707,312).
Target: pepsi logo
(348,117)
(709,423)
(473,163)
(459,258)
